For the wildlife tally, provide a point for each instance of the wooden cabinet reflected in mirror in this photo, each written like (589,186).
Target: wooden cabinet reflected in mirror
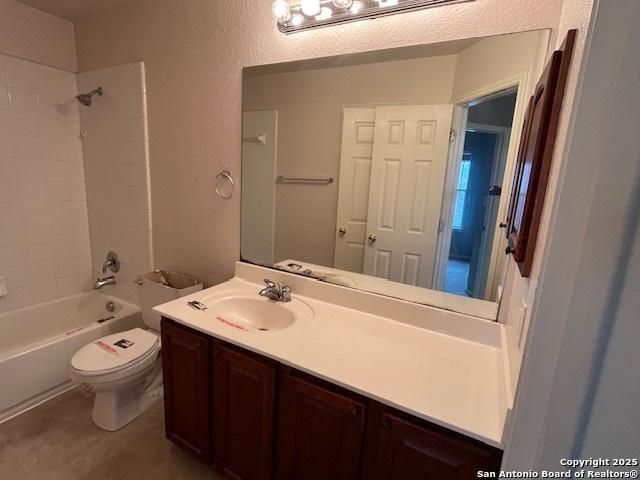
(534,157)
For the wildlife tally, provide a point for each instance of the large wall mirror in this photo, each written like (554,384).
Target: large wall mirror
(389,171)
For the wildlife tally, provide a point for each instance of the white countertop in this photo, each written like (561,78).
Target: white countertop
(445,379)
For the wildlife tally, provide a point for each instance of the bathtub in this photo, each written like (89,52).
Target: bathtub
(37,343)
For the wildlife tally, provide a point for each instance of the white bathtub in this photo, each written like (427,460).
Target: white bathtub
(37,343)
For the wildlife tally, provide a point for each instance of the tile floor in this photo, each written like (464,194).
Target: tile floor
(57,440)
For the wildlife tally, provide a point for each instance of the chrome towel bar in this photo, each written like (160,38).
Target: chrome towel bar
(305,180)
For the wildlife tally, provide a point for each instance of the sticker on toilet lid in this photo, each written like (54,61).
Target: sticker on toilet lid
(115,350)
(124,343)
(107,348)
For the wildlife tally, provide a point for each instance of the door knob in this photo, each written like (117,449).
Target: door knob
(342,231)
(371,239)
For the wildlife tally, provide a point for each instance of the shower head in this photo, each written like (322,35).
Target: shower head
(87,98)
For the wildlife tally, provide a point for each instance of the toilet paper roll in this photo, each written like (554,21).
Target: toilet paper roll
(3,286)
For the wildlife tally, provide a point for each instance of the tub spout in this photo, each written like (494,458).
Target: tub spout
(101,282)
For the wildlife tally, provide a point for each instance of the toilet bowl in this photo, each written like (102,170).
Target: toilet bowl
(125,372)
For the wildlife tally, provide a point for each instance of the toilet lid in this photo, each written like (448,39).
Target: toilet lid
(115,351)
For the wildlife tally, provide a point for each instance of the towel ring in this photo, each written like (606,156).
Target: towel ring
(220,191)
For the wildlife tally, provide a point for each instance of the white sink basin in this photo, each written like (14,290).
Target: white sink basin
(255,313)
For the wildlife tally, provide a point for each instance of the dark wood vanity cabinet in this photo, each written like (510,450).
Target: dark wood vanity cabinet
(254,419)
(402,447)
(185,370)
(320,430)
(243,390)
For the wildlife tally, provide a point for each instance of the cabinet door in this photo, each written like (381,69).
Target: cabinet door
(412,451)
(243,404)
(185,360)
(320,433)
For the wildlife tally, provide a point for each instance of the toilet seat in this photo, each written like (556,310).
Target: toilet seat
(116,356)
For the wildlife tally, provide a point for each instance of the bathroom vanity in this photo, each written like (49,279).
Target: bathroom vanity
(340,392)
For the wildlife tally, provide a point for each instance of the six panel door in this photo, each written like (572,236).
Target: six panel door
(185,369)
(408,170)
(243,404)
(320,433)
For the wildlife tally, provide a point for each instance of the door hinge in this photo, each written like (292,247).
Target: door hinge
(452,135)
(440,226)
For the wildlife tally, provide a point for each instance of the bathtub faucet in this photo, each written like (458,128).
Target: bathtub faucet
(101,282)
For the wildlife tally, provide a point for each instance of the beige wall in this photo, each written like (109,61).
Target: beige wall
(495,59)
(194,51)
(37,36)
(309,105)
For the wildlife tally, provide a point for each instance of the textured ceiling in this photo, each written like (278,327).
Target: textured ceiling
(72,9)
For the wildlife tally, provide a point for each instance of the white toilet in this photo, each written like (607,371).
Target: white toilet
(125,369)
(125,372)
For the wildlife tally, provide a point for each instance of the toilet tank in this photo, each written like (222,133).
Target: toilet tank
(160,287)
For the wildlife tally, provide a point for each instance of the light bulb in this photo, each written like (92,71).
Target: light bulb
(342,3)
(325,13)
(281,11)
(310,7)
(356,7)
(297,20)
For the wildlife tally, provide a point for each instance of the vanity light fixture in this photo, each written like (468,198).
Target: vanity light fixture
(356,7)
(310,8)
(325,13)
(281,10)
(309,14)
(297,19)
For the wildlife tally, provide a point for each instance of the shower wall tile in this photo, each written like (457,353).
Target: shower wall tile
(116,164)
(43,211)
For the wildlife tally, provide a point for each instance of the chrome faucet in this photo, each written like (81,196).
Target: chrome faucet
(101,282)
(278,292)
(111,262)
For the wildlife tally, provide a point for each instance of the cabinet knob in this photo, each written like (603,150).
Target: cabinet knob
(342,231)
(386,423)
(371,239)
(509,250)
(503,225)
(355,410)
